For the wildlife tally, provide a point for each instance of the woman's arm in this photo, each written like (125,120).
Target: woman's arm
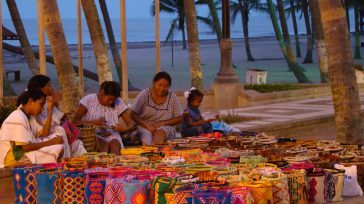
(48,124)
(81,111)
(36,146)
(140,121)
(129,125)
(170,122)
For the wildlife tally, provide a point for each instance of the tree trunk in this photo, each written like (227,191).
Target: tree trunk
(294,21)
(215,19)
(63,61)
(293,66)
(98,40)
(245,19)
(320,41)
(345,94)
(193,44)
(347,14)
(183,36)
(113,45)
(23,39)
(308,58)
(357,54)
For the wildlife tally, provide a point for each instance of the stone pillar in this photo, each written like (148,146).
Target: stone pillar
(226,86)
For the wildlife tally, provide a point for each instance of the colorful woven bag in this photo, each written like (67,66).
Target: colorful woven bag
(24,183)
(163,190)
(73,187)
(261,191)
(296,186)
(241,195)
(95,187)
(212,196)
(338,178)
(280,188)
(49,186)
(184,194)
(120,190)
(316,185)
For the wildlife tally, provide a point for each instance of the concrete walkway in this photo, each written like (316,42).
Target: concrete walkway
(302,116)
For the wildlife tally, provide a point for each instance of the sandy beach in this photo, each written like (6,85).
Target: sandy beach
(141,63)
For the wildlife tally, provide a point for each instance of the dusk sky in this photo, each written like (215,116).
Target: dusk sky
(135,8)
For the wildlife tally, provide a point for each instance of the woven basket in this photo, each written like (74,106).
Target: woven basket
(88,136)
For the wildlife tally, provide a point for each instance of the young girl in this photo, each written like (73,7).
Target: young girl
(18,143)
(193,123)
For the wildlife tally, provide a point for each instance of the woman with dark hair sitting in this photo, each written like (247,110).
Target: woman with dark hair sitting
(18,142)
(156,110)
(49,120)
(104,109)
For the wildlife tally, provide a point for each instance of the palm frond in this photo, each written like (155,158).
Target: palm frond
(168,6)
(171,30)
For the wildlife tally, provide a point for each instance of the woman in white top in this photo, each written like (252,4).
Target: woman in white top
(49,120)
(104,109)
(18,144)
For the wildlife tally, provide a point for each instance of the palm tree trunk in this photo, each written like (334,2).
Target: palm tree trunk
(98,40)
(193,45)
(63,61)
(308,58)
(293,66)
(113,45)
(183,36)
(23,39)
(294,21)
(215,19)
(320,41)
(347,14)
(245,19)
(345,94)
(357,54)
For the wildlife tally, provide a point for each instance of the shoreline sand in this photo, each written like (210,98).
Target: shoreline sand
(141,63)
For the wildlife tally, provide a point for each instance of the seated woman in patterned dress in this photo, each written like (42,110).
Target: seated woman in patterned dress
(156,110)
(104,109)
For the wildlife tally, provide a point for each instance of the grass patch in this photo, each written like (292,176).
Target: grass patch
(267,88)
(234,117)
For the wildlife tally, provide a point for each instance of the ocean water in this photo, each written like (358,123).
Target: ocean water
(143,29)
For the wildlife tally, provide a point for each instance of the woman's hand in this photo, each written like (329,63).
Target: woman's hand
(150,126)
(56,140)
(119,128)
(99,122)
(49,103)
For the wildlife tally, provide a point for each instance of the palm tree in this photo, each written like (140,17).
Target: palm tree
(345,94)
(113,46)
(357,54)
(193,45)
(308,58)
(292,12)
(215,17)
(287,51)
(23,39)
(98,40)
(320,41)
(177,7)
(244,7)
(63,61)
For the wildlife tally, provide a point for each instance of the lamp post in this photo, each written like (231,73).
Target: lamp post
(226,73)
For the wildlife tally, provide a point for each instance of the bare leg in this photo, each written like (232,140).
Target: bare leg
(159,137)
(103,145)
(114,147)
